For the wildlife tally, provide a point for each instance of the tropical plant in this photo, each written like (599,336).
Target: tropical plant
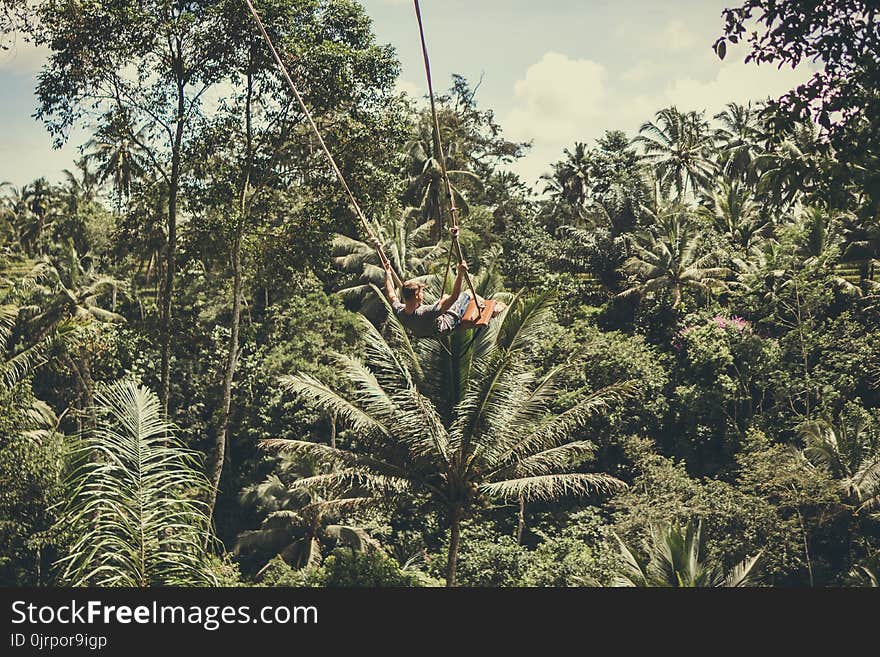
(861,244)
(819,232)
(867,573)
(735,213)
(18,281)
(678,146)
(569,184)
(134,500)
(675,559)
(35,216)
(120,153)
(791,168)
(73,290)
(851,451)
(79,189)
(666,258)
(427,187)
(300,519)
(462,425)
(739,141)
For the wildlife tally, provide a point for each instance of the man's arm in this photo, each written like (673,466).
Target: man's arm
(449,299)
(390,293)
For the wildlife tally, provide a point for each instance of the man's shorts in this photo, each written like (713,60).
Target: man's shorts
(448,321)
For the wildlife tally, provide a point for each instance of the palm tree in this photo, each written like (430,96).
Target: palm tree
(738,141)
(18,281)
(819,230)
(427,188)
(678,146)
(734,213)
(79,189)
(73,295)
(867,573)
(569,184)
(35,215)
(852,454)
(300,519)
(666,259)
(75,290)
(675,559)
(134,504)
(462,424)
(10,208)
(120,153)
(791,167)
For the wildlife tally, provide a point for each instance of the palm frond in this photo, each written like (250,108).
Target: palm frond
(316,392)
(551,487)
(134,499)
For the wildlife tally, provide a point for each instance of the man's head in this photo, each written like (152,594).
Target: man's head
(412,293)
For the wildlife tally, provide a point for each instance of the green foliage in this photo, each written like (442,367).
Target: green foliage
(805,502)
(278,573)
(728,268)
(582,553)
(131,500)
(724,374)
(598,358)
(223,572)
(738,520)
(675,559)
(487,559)
(30,473)
(347,568)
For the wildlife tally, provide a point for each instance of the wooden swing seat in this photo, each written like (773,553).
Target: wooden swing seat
(473,317)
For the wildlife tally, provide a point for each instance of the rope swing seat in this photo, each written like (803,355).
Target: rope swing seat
(475,316)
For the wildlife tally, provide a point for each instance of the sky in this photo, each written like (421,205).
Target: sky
(554,72)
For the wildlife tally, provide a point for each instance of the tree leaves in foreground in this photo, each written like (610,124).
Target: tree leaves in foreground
(675,559)
(135,508)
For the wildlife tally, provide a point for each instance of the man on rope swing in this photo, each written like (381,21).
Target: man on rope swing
(436,319)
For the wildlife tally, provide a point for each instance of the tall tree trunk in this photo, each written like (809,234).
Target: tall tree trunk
(333,430)
(228,376)
(806,545)
(171,250)
(521,523)
(454,541)
(232,355)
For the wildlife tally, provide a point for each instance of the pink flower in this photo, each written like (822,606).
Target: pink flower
(734,322)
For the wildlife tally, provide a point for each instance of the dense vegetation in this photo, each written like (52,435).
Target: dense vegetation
(200,381)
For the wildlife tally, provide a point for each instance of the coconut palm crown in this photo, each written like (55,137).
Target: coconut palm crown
(464,421)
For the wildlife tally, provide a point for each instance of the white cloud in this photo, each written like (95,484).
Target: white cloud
(559,100)
(411,89)
(214,95)
(677,36)
(734,81)
(640,71)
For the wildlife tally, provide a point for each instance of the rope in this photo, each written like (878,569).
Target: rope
(351,198)
(448,267)
(441,158)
